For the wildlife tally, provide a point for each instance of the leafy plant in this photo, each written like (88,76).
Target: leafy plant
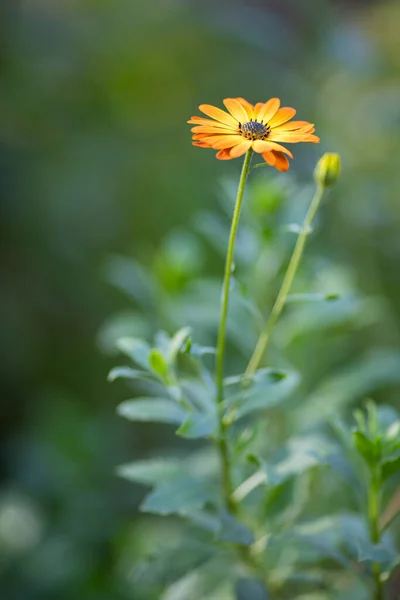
(262,495)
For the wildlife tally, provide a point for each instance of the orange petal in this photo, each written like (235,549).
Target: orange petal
(269,109)
(224,154)
(314,139)
(211,140)
(203,136)
(269,158)
(236,109)
(279,148)
(248,107)
(294,125)
(227,141)
(282,116)
(261,147)
(218,114)
(210,123)
(292,137)
(201,145)
(210,129)
(240,149)
(309,129)
(281,162)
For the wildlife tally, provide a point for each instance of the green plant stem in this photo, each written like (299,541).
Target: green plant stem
(374,506)
(286,284)
(219,367)
(227,484)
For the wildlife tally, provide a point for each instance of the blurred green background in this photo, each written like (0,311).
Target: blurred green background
(96,160)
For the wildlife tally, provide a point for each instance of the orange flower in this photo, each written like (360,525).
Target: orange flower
(261,127)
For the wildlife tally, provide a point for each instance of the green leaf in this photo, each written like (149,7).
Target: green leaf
(200,393)
(197,350)
(157,363)
(316,297)
(179,496)
(138,350)
(170,561)
(354,382)
(390,467)
(376,553)
(235,532)
(268,388)
(128,373)
(150,472)
(326,535)
(250,589)
(366,447)
(180,338)
(157,410)
(198,425)
(300,455)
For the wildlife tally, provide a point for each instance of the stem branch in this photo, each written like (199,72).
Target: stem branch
(286,284)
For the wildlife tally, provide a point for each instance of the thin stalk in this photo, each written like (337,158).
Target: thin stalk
(227,483)
(286,284)
(219,366)
(374,506)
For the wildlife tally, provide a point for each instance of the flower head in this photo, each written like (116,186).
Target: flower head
(261,127)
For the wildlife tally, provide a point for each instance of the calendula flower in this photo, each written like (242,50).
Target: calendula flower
(261,127)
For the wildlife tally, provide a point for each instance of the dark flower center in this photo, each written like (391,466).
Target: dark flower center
(253,130)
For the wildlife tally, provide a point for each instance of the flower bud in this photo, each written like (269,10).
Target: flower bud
(327,170)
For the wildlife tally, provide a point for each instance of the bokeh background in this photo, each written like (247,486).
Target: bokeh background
(95,162)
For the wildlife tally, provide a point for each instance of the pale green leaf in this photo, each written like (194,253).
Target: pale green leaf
(150,472)
(232,530)
(179,496)
(128,373)
(351,383)
(198,425)
(312,297)
(268,388)
(136,349)
(250,589)
(158,410)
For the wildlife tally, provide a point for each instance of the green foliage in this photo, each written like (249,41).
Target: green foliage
(160,410)
(250,588)
(294,460)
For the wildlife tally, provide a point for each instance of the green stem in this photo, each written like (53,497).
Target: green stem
(374,505)
(219,368)
(286,284)
(227,484)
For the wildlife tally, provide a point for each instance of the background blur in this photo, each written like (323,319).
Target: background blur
(95,161)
